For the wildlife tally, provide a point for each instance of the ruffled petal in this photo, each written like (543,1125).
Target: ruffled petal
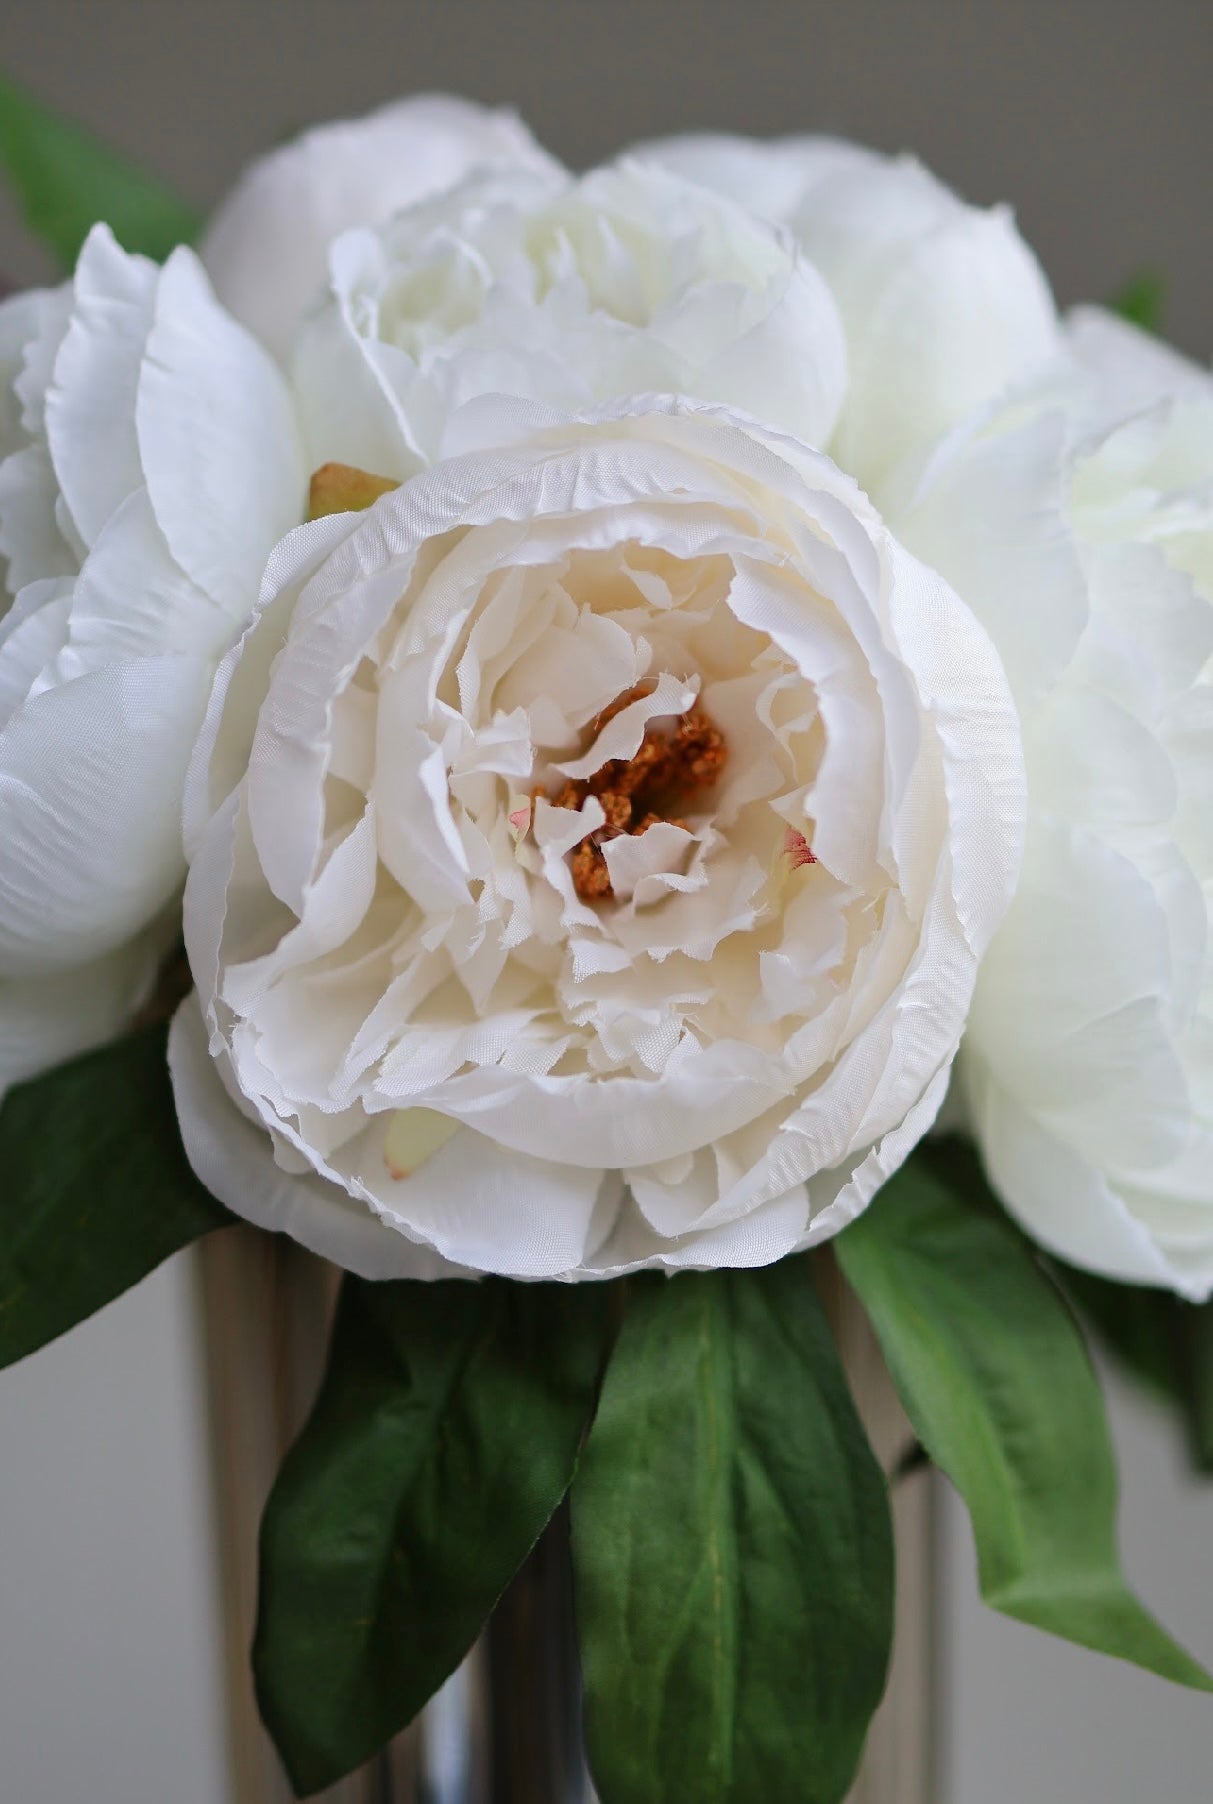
(234,1156)
(382,929)
(266,247)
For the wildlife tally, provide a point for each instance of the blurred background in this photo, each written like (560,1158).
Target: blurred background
(1094,118)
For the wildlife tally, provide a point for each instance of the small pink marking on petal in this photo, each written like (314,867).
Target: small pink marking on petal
(798,849)
(520,820)
(396,1171)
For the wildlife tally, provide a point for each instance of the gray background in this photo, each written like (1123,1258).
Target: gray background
(1093,116)
(1095,119)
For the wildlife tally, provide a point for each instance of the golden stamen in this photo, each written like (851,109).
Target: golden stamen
(642,791)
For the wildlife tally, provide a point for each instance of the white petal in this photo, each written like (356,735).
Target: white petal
(234,1157)
(31,539)
(485,1207)
(838,1197)
(347,411)
(90,810)
(133,600)
(341,1008)
(90,405)
(31,328)
(267,245)
(1063,1199)
(990,517)
(628,281)
(46,1020)
(965,692)
(221,752)
(1133,369)
(22,318)
(943,306)
(770,176)
(1072,1006)
(32,634)
(217,441)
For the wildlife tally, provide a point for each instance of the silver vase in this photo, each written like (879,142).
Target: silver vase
(505,1729)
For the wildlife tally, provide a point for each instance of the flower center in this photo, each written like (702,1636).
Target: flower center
(671,765)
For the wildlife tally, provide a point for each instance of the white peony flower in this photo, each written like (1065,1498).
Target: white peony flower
(148,462)
(592,848)
(1078,523)
(570,293)
(267,244)
(943,304)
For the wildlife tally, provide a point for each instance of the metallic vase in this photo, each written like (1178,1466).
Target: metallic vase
(505,1729)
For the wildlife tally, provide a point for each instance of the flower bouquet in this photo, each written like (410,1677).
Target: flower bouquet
(600,750)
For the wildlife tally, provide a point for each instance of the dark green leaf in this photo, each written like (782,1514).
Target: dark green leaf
(1143,301)
(995,1378)
(1139,1325)
(1163,1341)
(66,180)
(445,1435)
(1198,1393)
(96,1187)
(732,1551)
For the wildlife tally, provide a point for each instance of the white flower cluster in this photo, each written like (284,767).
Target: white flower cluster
(775,658)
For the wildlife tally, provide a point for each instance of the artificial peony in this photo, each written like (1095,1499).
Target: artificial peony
(566,292)
(943,304)
(266,248)
(598,877)
(1077,520)
(148,462)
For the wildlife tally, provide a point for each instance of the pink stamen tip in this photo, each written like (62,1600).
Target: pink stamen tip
(798,849)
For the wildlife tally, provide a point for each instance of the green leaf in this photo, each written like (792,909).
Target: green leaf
(445,1435)
(1143,300)
(995,1378)
(66,180)
(1198,1394)
(732,1551)
(97,1189)
(1164,1341)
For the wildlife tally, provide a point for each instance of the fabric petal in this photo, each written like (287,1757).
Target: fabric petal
(769,175)
(233,1155)
(943,305)
(989,515)
(1061,1198)
(90,405)
(218,441)
(47,1020)
(266,247)
(90,810)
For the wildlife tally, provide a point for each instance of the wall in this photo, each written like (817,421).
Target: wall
(1024,1716)
(1092,115)
(110,1675)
